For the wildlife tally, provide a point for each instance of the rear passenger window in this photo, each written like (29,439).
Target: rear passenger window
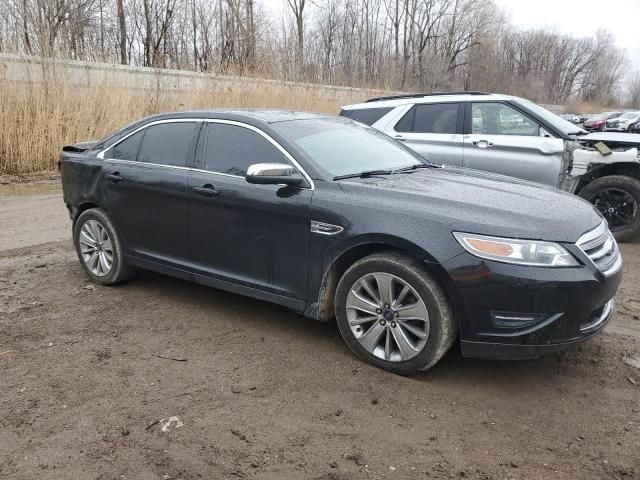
(232,149)
(430,118)
(368,116)
(167,143)
(126,149)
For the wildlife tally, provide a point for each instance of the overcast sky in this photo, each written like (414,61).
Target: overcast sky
(583,18)
(578,17)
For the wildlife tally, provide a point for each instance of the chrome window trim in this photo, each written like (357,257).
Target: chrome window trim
(207,120)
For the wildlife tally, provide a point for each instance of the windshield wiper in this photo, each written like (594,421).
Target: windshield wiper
(370,173)
(366,173)
(417,166)
(579,133)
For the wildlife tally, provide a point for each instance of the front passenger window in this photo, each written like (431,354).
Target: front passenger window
(500,119)
(231,149)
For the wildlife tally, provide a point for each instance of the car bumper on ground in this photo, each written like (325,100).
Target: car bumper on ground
(516,312)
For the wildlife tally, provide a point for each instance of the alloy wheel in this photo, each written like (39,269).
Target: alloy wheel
(387,317)
(96,248)
(618,207)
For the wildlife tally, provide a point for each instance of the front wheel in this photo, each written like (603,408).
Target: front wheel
(617,197)
(393,314)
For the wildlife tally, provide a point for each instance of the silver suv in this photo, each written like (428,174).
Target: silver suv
(513,136)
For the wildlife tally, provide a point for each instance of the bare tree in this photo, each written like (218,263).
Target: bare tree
(297,8)
(399,44)
(633,90)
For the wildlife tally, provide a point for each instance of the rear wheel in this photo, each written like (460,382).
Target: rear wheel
(617,197)
(393,314)
(99,248)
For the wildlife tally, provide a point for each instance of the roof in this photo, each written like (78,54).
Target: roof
(263,115)
(428,98)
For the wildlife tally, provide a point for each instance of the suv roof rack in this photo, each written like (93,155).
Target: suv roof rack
(421,95)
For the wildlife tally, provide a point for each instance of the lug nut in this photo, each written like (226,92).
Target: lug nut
(393,324)
(378,311)
(383,322)
(397,314)
(386,305)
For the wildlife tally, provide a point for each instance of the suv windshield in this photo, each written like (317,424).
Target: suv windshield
(343,147)
(561,124)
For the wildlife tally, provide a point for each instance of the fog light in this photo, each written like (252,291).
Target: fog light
(515,319)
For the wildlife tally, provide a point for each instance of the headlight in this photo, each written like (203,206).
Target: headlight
(521,252)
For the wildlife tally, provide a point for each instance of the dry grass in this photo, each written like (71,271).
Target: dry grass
(37,119)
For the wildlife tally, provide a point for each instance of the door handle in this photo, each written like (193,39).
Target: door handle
(115,177)
(206,190)
(400,138)
(483,144)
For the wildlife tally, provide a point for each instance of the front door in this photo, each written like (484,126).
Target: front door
(256,236)
(506,141)
(145,189)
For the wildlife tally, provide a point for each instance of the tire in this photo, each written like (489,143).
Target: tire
(624,193)
(92,226)
(398,271)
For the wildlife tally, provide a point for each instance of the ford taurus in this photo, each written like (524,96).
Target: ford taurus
(332,218)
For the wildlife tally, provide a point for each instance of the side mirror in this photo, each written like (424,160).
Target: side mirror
(273,174)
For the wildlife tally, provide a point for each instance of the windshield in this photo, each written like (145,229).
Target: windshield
(343,147)
(629,115)
(561,124)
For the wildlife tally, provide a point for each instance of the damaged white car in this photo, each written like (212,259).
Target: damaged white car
(513,136)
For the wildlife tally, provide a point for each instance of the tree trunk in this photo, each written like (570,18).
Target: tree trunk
(122,26)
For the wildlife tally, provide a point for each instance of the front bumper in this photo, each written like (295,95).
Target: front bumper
(517,312)
(616,129)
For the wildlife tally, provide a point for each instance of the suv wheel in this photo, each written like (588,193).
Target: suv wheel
(617,197)
(99,248)
(393,314)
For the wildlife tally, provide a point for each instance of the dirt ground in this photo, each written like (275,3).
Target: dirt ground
(264,393)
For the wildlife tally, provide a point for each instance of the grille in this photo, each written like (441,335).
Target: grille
(602,249)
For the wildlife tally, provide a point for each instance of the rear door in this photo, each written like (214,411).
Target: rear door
(252,235)
(145,188)
(434,130)
(501,139)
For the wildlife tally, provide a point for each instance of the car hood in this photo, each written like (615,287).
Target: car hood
(632,139)
(485,203)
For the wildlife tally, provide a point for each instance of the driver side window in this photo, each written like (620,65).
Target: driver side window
(231,149)
(500,119)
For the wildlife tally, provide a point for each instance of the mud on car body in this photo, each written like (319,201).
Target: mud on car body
(334,219)
(513,136)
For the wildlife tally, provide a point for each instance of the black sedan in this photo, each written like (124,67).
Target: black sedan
(334,219)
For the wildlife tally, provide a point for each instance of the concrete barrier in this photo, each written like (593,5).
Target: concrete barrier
(20,68)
